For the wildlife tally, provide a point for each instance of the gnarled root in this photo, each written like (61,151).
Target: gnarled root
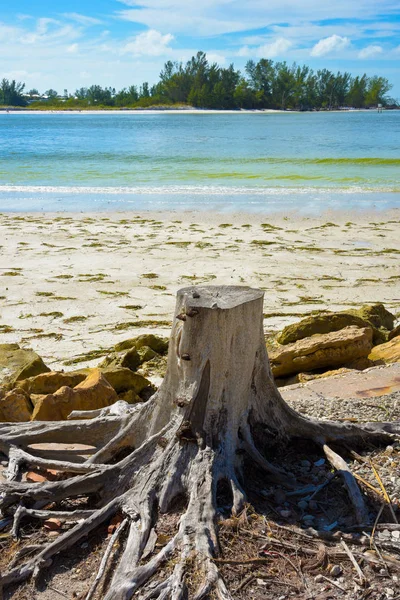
(217,405)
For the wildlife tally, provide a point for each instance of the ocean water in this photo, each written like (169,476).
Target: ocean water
(265,162)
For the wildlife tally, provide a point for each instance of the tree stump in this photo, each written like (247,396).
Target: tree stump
(217,404)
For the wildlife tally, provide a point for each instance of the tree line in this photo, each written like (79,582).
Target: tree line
(263,84)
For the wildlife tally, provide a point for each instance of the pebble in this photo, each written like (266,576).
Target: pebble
(285,513)
(389,592)
(320,462)
(384,534)
(308,518)
(279,496)
(389,450)
(335,570)
(303,504)
(319,579)
(305,463)
(396,535)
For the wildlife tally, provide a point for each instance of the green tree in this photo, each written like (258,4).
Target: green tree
(284,84)
(11,93)
(244,96)
(51,94)
(377,88)
(357,92)
(261,78)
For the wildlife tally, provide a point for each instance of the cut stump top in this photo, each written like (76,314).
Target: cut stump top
(219,296)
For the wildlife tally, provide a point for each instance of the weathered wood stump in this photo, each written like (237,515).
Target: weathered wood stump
(217,403)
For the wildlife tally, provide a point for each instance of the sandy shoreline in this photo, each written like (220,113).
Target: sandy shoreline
(175,111)
(73,283)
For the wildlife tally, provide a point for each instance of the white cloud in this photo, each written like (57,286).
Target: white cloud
(212,17)
(216,57)
(149,43)
(275,48)
(370,52)
(82,19)
(334,43)
(73,48)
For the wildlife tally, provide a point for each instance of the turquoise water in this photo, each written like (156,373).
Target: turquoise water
(251,162)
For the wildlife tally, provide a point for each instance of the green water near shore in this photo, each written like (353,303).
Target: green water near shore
(85,161)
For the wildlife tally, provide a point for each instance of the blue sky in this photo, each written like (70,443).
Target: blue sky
(75,43)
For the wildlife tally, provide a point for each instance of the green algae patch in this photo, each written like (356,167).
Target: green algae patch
(76,319)
(87,356)
(149,323)
(132,307)
(115,294)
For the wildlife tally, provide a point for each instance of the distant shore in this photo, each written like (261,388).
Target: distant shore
(176,111)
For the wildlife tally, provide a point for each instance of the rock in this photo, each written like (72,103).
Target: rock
(52,524)
(386,353)
(320,351)
(122,379)
(374,316)
(15,407)
(394,333)
(130,396)
(114,523)
(33,477)
(146,353)
(17,364)
(128,360)
(335,570)
(308,519)
(319,579)
(155,342)
(48,383)
(92,393)
(279,496)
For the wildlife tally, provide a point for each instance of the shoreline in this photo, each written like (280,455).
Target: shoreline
(180,111)
(74,283)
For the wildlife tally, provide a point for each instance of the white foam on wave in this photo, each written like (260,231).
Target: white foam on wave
(190,189)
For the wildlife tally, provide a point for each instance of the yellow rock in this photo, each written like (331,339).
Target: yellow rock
(328,350)
(15,407)
(48,383)
(386,353)
(17,363)
(130,396)
(94,392)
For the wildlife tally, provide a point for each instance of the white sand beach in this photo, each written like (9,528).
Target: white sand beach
(77,283)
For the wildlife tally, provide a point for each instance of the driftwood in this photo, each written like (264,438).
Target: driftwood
(217,403)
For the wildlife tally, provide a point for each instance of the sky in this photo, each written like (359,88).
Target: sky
(70,44)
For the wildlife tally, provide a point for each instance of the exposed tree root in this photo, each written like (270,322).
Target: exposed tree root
(217,405)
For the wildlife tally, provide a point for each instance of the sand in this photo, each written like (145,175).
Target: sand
(76,283)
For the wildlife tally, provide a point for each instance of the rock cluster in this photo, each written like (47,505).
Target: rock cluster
(30,391)
(316,346)
(354,339)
